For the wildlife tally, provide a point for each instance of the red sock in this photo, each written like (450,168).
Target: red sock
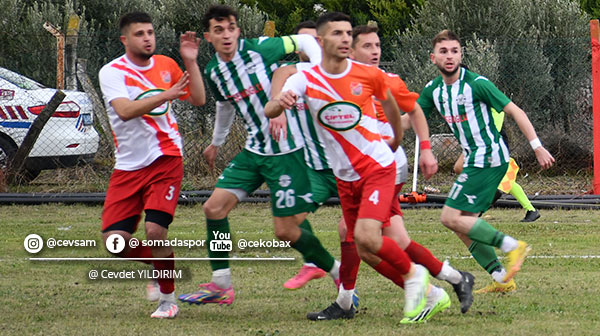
(389,272)
(350,264)
(140,252)
(421,255)
(167,285)
(394,255)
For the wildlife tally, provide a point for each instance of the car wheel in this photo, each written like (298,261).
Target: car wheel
(7,152)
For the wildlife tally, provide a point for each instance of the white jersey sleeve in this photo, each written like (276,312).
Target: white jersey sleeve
(223,121)
(296,83)
(112,83)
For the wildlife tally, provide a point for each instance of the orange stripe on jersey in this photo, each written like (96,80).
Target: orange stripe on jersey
(167,146)
(368,135)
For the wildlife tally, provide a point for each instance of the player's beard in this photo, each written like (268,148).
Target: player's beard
(448,73)
(145,55)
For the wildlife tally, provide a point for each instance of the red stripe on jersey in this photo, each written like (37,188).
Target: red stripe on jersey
(10,111)
(21,112)
(137,78)
(166,144)
(362,164)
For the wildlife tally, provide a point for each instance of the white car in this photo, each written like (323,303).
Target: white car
(67,138)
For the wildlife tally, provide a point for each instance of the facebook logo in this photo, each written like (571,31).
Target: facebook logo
(115,243)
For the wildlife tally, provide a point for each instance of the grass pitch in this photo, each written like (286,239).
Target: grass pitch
(557,290)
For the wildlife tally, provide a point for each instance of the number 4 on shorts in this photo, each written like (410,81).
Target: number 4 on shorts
(374,197)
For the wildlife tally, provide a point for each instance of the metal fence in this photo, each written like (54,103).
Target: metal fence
(556,95)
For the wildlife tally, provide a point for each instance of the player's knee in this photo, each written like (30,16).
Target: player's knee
(214,210)
(448,220)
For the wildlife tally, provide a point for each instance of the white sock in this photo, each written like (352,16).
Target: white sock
(309,264)
(434,292)
(344,298)
(508,244)
(448,273)
(222,277)
(168,297)
(499,275)
(335,270)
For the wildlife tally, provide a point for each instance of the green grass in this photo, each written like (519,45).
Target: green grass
(555,296)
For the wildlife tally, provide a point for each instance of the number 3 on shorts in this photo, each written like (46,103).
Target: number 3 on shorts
(374,197)
(170,195)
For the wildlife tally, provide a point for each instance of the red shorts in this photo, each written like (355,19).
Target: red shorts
(370,197)
(154,187)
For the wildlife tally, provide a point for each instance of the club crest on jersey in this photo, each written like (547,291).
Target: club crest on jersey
(166,76)
(460,100)
(159,110)
(356,88)
(340,115)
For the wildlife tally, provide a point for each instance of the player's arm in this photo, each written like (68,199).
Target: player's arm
(282,97)
(305,43)
(545,159)
(278,125)
(188,48)
(224,117)
(392,113)
(427,161)
(128,109)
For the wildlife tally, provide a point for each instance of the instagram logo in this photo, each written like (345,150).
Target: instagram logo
(33,243)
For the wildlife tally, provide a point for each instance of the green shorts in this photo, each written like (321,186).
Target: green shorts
(323,185)
(285,175)
(474,189)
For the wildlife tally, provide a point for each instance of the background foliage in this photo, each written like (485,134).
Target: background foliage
(538,53)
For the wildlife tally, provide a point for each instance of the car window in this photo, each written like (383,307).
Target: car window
(20,80)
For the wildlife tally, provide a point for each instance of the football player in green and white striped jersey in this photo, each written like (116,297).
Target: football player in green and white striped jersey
(464,99)
(239,75)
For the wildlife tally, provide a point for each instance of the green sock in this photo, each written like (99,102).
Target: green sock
(312,251)
(306,226)
(484,233)
(222,226)
(519,194)
(485,255)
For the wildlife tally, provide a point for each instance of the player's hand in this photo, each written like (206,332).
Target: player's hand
(177,90)
(287,99)
(427,163)
(278,127)
(545,159)
(210,155)
(393,143)
(188,45)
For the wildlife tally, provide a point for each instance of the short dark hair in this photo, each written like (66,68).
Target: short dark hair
(362,29)
(133,17)
(305,24)
(445,35)
(331,17)
(219,13)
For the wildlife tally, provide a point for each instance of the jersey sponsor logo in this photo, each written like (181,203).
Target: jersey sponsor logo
(159,110)
(461,100)
(340,115)
(236,97)
(285,181)
(356,88)
(456,119)
(166,76)
(462,178)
